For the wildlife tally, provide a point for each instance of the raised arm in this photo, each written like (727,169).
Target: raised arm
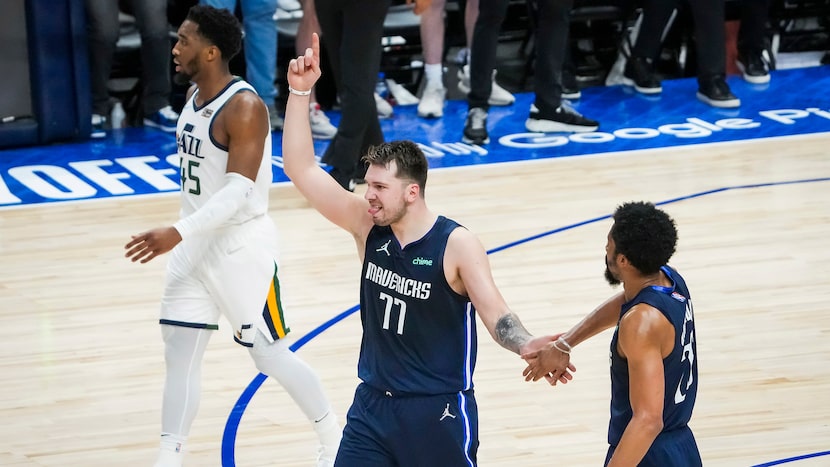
(341,207)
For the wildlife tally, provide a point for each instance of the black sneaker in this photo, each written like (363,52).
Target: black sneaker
(639,73)
(570,86)
(563,119)
(753,66)
(475,128)
(715,92)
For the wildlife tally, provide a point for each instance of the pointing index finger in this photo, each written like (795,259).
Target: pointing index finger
(315,45)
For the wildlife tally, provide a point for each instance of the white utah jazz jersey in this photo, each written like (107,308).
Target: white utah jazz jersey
(203,162)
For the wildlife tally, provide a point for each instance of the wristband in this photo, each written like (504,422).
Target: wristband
(556,346)
(298,93)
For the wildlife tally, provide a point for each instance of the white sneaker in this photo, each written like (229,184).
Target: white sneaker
(321,127)
(325,458)
(499,96)
(383,106)
(432,101)
(289,5)
(401,95)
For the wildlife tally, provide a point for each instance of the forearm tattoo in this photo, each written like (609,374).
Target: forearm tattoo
(511,333)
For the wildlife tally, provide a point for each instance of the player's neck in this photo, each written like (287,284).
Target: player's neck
(634,285)
(212,83)
(414,225)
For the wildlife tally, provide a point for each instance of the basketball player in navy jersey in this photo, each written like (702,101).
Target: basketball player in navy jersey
(224,247)
(424,277)
(653,350)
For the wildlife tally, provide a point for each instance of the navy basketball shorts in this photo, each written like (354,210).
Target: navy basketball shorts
(676,448)
(384,430)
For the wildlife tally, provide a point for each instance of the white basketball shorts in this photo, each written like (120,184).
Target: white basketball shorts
(231,272)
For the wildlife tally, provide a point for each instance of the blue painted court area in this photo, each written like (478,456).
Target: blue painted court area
(136,161)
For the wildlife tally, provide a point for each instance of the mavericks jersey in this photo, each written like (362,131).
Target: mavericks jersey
(203,162)
(419,335)
(679,367)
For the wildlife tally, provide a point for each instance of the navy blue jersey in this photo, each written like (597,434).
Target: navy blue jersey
(679,367)
(419,336)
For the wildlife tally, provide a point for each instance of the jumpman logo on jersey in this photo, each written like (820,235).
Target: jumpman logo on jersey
(446,413)
(385,247)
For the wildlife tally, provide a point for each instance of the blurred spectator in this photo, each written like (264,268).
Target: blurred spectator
(352,32)
(321,127)
(260,48)
(710,37)
(548,113)
(432,40)
(753,49)
(103,28)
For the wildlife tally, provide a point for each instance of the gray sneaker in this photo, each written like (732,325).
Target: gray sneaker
(475,128)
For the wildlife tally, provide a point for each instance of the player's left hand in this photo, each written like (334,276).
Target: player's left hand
(147,245)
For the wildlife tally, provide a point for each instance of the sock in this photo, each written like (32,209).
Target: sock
(329,433)
(434,73)
(171,450)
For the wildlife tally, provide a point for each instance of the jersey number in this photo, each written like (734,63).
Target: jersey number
(390,302)
(189,173)
(688,355)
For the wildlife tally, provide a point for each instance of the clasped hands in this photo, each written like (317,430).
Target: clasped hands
(544,360)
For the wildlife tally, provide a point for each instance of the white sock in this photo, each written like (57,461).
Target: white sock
(171,450)
(329,432)
(434,73)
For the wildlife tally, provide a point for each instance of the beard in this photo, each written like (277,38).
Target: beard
(181,79)
(389,220)
(391,216)
(613,281)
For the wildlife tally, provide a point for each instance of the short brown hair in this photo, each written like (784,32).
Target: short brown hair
(409,159)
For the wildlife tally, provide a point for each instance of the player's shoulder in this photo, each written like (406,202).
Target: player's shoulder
(463,243)
(246,98)
(643,319)
(245,108)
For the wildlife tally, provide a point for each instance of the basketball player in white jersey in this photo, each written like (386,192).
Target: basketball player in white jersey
(224,247)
